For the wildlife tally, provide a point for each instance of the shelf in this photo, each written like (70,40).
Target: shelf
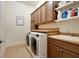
(68,5)
(71,18)
(62,19)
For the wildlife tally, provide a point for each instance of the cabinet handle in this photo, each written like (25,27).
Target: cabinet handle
(58,49)
(61,50)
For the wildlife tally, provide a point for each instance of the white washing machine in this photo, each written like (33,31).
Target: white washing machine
(28,40)
(39,45)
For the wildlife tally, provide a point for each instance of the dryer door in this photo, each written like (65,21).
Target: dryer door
(27,39)
(34,45)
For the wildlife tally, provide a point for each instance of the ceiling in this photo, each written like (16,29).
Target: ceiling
(30,3)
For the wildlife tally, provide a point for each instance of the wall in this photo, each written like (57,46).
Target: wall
(71,26)
(49,25)
(74,27)
(64,26)
(2,24)
(2,29)
(14,35)
(38,5)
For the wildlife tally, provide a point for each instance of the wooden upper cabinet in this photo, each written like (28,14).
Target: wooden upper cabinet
(55,12)
(49,11)
(32,17)
(36,18)
(32,20)
(51,14)
(39,16)
(43,13)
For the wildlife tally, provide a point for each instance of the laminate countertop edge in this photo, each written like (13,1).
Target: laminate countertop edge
(45,31)
(66,38)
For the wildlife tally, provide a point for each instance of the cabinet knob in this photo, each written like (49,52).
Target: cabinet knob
(58,49)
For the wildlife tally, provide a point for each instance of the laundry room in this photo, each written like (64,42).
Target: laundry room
(39,29)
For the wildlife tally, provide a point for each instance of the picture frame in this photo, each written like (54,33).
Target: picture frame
(19,20)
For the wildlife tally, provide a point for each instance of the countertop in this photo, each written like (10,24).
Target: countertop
(66,38)
(46,30)
(41,30)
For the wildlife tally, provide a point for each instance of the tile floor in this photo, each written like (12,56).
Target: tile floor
(17,52)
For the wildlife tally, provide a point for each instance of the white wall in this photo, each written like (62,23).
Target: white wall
(13,34)
(38,5)
(69,26)
(1,21)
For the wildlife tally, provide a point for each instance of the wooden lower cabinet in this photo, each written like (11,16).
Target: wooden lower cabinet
(68,54)
(53,51)
(59,51)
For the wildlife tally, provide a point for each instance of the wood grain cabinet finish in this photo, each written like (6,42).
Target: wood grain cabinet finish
(49,11)
(51,14)
(55,3)
(32,20)
(43,13)
(39,15)
(32,17)
(53,51)
(36,18)
(68,54)
(66,50)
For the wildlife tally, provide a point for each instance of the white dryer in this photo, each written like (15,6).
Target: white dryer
(28,40)
(39,45)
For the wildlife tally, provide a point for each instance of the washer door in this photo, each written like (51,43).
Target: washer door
(34,46)
(27,40)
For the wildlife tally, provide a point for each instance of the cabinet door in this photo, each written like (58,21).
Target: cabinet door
(51,14)
(43,13)
(32,21)
(39,15)
(55,5)
(32,17)
(49,11)
(68,54)
(32,25)
(35,20)
(53,51)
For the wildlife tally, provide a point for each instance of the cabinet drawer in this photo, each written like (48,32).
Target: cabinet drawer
(65,45)
(68,54)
